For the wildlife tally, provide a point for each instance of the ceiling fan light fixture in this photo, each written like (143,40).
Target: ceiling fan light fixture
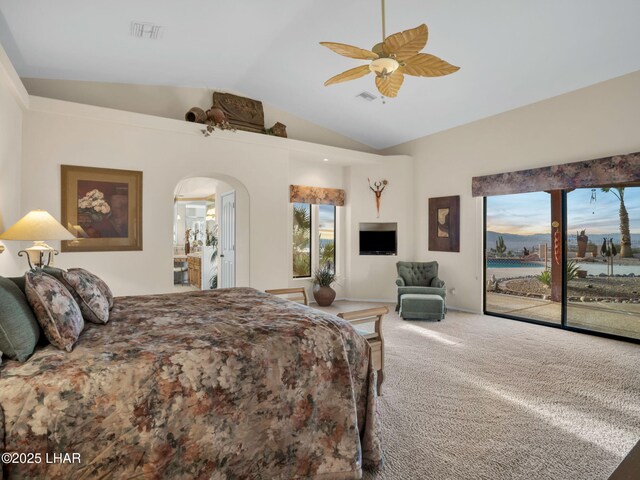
(396,56)
(384,66)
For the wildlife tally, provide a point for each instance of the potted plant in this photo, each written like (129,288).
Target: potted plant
(323,277)
(583,241)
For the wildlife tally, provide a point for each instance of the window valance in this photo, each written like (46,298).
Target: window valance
(317,195)
(593,173)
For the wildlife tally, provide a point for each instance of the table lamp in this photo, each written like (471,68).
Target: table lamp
(37,226)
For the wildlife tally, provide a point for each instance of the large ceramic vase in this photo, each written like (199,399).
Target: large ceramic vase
(324,295)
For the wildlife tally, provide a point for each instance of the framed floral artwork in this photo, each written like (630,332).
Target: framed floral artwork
(444,224)
(103,208)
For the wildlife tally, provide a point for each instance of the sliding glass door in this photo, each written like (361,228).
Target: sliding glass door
(603,252)
(566,258)
(518,241)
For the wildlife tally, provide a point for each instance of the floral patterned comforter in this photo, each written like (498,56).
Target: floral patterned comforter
(226,384)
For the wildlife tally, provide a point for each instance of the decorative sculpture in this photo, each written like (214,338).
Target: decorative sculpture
(241,112)
(231,112)
(196,115)
(187,241)
(278,130)
(379,188)
(609,251)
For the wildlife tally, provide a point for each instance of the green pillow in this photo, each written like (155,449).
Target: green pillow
(20,282)
(19,330)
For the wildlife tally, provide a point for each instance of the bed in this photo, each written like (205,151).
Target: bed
(225,384)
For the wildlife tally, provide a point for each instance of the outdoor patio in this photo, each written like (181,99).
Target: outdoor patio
(616,318)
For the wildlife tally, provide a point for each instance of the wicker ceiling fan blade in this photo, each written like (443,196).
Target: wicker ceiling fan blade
(350,51)
(389,85)
(407,43)
(350,74)
(426,65)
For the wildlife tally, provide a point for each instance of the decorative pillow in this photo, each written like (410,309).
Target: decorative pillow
(19,331)
(104,288)
(93,304)
(19,281)
(56,310)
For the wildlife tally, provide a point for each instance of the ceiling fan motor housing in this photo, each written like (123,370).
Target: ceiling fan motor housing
(384,66)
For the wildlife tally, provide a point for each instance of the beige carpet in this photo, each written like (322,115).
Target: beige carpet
(475,397)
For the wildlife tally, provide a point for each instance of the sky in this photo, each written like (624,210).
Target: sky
(327,215)
(530,213)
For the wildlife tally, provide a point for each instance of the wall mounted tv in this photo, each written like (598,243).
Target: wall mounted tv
(378,239)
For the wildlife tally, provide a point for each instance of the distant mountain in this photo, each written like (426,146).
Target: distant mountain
(516,242)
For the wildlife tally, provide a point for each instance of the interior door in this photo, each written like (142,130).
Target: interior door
(228,240)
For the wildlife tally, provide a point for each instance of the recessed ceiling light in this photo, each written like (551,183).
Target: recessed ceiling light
(146,30)
(325,160)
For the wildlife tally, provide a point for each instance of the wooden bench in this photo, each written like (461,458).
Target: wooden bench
(375,338)
(299,291)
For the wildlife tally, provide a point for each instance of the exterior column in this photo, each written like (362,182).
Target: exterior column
(557,249)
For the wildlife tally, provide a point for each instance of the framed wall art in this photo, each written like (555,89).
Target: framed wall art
(444,224)
(103,208)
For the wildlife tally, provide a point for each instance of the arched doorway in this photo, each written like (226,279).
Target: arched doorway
(210,233)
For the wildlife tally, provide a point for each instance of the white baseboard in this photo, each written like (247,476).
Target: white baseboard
(346,299)
(377,300)
(372,300)
(464,310)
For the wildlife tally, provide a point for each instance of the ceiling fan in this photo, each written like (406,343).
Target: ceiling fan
(395,56)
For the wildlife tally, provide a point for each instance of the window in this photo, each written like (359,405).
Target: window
(327,236)
(301,240)
(567,257)
(314,238)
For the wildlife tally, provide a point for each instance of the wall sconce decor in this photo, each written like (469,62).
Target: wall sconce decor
(377,189)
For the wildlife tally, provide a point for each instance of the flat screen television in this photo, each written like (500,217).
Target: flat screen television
(378,239)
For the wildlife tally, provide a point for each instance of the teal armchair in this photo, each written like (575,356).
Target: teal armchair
(419,277)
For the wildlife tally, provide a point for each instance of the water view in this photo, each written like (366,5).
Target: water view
(602,263)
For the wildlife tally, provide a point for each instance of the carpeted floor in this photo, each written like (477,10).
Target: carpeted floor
(478,397)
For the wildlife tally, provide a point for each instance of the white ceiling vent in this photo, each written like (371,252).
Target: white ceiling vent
(369,97)
(146,30)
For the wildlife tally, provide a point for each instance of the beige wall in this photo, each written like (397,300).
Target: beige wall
(364,277)
(168,151)
(12,102)
(373,277)
(174,102)
(594,122)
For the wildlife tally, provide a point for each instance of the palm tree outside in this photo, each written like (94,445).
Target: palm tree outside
(301,240)
(625,231)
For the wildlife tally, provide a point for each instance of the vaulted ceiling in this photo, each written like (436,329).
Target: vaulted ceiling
(511,53)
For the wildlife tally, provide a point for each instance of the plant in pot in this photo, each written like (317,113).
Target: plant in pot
(323,277)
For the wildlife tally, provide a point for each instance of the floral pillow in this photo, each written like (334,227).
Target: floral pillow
(102,286)
(57,312)
(93,304)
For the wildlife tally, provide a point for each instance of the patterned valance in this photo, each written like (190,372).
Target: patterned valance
(593,173)
(317,195)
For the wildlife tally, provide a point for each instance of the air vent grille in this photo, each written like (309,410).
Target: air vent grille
(146,30)
(369,97)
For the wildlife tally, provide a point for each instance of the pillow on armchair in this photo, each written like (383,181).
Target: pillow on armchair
(419,277)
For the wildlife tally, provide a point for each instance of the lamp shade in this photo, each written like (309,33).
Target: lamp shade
(37,225)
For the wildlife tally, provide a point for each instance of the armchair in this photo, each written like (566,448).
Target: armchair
(419,277)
